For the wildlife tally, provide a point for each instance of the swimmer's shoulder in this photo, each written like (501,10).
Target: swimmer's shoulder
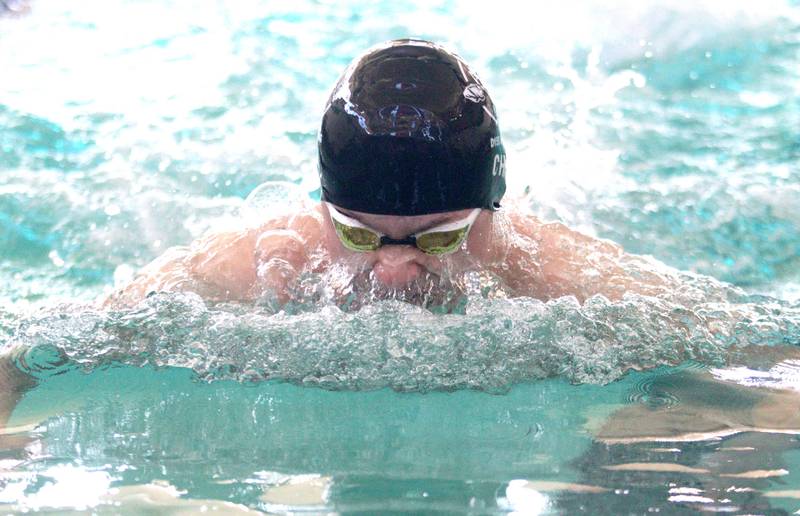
(559,236)
(528,224)
(223,262)
(291,238)
(523,222)
(306,222)
(229,258)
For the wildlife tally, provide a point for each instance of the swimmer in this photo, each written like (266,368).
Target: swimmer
(413,175)
(413,171)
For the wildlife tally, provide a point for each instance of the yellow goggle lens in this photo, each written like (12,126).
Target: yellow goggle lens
(357,239)
(441,242)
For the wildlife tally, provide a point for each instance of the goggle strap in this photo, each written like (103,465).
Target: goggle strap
(453,226)
(348,221)
(450,226)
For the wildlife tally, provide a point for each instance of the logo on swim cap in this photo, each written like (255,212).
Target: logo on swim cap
(474,93)
(410,130)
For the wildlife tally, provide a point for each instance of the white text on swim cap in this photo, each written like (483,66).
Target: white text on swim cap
(499,165)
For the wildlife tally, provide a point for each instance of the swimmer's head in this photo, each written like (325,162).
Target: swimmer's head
(410,130)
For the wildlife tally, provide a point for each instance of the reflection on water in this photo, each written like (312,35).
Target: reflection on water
(717,447)
(139,426)
(276,447)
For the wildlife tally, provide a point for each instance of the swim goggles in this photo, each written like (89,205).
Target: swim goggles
(443,239)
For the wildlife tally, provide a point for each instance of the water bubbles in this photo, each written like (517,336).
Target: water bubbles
(271,198)
(492,345)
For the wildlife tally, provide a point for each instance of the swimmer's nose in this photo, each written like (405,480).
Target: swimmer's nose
(397,265)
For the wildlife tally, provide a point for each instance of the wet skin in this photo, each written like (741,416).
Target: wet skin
(530,257)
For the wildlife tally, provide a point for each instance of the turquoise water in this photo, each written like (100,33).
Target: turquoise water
(135,126)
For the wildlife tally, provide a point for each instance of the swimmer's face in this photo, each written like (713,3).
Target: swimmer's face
(398,265)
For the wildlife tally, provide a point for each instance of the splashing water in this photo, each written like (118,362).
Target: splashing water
(493,345)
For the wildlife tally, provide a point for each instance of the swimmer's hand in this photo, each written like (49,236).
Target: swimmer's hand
(13,385)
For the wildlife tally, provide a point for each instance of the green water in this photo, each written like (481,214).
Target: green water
(459,444)
(445,452)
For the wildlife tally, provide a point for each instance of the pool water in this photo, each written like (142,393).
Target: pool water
(130,127)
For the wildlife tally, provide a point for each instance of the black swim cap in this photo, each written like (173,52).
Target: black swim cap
(410,130)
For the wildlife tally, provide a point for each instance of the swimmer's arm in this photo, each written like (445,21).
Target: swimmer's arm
(244,266)
(13,385)
(218,266)
(226,266)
